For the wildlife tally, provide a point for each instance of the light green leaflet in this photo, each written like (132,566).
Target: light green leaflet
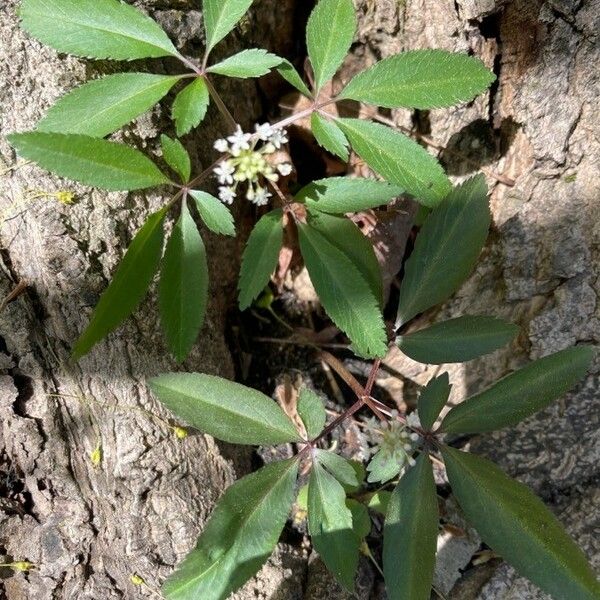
(521,393)
(330,526)
(457,340)
(260,257)
(226,410)
(432,399)
(190,106)
(344,293)
(248,63)
(329,34)
(385,466)
(340,195)
(312,412)
(239,536)
(214,213)
(176,157)
(338,466)
(398,159)
(102,106)
(128,285)
(95,29)
(91,161)
(287,70)
(517,525)
(183,289)
(220,17)
(329,136)
(410,534)
(420,79)
(446,249)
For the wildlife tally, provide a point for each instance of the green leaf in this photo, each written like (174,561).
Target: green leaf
(312,412)
(329,34)
(226,410)
(349,239)
(220,17)
(330,136)
(247,63)
(239,537)
(183,289)
(287,70)
(380,501)
(385,466)
(128,286)
(214,213)
(260,257)
(398,159)
(92,161)
(338,466)
(340,195)
(410,534)
(457,340)
(190,106)
(432,399)
(361,521)
(420,79)
(519,527)
(177,157)
(102,106)
(95,29)
(345,294)
(446,249)
(521,393)
(330,526)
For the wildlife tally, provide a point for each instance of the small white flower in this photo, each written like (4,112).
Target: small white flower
(227,195)
(264,131)
(221,146)
(262,197)
(225,172)
(411,461)
(279,138)
(239,141)
(284,169)
(412,420)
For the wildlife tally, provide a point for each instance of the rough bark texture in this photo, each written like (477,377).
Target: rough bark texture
(89,529)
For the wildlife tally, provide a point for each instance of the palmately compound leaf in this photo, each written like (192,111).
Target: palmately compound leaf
(518,526)
(329,34)
(312,412)
(385,466)
(183,289)
(128,286)
(521,393)
(348,238)
(260,257)
(220,17)
(102,106)
(420,79)
(330,526)
(91,161)
(216,216)
(177,157)
(95,29)
(338,466)
(190,106)
(239,537)
(287,70)
(457,340)
(398,159)
(340,195)
(410,534)
(432,399)
(226,410)
(345,294)
(254,62)
(330,136)
(446,249)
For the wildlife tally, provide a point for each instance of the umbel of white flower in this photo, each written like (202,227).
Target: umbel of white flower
(248,163)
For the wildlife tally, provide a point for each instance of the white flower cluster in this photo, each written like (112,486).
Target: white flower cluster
(393,439)
(249,164)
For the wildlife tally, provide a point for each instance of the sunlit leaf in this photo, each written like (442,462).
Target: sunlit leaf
(432,399)
(190,106)
(220,17)
(330,136)
(254,62)
(176,157)
(312,412)
(338,466)
(287,70)
(216,216)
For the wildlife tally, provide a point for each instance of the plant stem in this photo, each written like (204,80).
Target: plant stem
(220,104)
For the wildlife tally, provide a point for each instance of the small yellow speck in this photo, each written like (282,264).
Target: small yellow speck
(22,565)
(180,432)
(96,456)
(65,197)
(137,580)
